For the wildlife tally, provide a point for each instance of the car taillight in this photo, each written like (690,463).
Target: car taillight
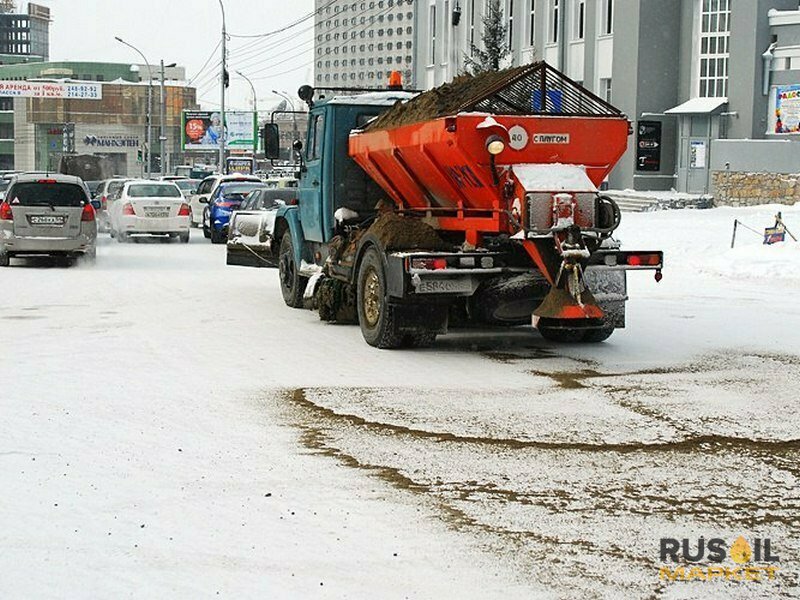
(127,209)
(644,260)
(5,212)
(88,213)
(227,204)
(104,202)
(185,211)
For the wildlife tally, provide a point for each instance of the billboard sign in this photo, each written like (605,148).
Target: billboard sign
(202,129)
(240,164)
(785,117)
(47,89)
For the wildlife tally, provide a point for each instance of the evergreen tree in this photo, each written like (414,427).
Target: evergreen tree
(494,38)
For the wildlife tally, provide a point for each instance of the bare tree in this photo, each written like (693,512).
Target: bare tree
(494,38)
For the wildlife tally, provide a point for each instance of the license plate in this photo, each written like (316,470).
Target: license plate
(156,213)
(445,286)
(47,220)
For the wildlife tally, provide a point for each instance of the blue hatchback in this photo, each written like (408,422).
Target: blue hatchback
(227,198)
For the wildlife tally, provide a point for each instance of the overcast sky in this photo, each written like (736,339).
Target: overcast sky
(186,32)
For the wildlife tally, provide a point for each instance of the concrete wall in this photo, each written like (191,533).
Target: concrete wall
(750,37)
(776,156)
(646,77)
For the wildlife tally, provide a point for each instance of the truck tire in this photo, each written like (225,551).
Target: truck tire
(556,334)
(594,336)
(376,316)
(292,283)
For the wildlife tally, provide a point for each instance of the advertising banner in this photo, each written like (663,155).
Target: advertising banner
(786,116)
(44,89)
(202,129)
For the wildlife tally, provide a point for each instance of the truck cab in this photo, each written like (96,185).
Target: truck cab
(329,181)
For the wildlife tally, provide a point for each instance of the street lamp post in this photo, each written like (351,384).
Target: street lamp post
(222,93)
(288,98)
(148,116)
(162,136)
(255,109)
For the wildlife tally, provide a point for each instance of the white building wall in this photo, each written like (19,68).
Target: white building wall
(531,38)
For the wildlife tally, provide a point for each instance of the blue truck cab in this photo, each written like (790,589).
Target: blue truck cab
(329,180)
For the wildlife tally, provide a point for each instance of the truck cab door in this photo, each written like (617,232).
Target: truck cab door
(311,183)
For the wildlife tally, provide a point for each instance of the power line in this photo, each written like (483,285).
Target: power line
(205,64)
(302,19)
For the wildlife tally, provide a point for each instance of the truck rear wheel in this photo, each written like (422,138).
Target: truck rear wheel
(376,316)
(292,283)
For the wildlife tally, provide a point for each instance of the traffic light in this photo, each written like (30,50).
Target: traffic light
(139,156)
(226,78)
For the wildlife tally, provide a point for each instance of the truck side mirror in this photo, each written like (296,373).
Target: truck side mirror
(271,138)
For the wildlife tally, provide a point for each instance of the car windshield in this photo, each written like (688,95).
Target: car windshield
(153,190)
(239,189)
(186,185)
(36,193)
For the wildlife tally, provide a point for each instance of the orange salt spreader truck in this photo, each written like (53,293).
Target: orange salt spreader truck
(474,202)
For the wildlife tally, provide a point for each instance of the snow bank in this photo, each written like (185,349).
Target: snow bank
(700,241)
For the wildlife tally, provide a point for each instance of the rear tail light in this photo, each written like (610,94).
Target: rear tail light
(227,204)
(184,211)
(430,264)
(46,181)
(88,213)
(127,210)
(104,202)
(644,260)
(5,212)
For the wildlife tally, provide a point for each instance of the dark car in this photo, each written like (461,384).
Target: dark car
(251,228)
(220,206)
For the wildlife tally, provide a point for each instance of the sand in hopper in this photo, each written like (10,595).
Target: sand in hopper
(445,100)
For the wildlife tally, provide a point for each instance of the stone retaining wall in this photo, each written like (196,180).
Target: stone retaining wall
(737,188)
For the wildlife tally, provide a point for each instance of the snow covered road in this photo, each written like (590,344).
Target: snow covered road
(170,429)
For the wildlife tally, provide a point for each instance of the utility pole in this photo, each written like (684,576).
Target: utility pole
(255,110)
(148,116)
(162,137)
(223,85)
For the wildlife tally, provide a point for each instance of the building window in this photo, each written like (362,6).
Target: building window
(510,23)
(579,20)
(432,34)
(554,21)
(605,90)
(606,17)
(532,23)
(714,48)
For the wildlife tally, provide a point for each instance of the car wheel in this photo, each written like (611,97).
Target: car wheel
(206,225)
(217,237)
(89,257)
(5,259)
(292,283)
(122,237)
(184,237)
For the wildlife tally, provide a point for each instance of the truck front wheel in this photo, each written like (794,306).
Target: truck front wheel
(375,315)
(292,283)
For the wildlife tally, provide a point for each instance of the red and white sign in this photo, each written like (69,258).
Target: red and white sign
(45,89)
